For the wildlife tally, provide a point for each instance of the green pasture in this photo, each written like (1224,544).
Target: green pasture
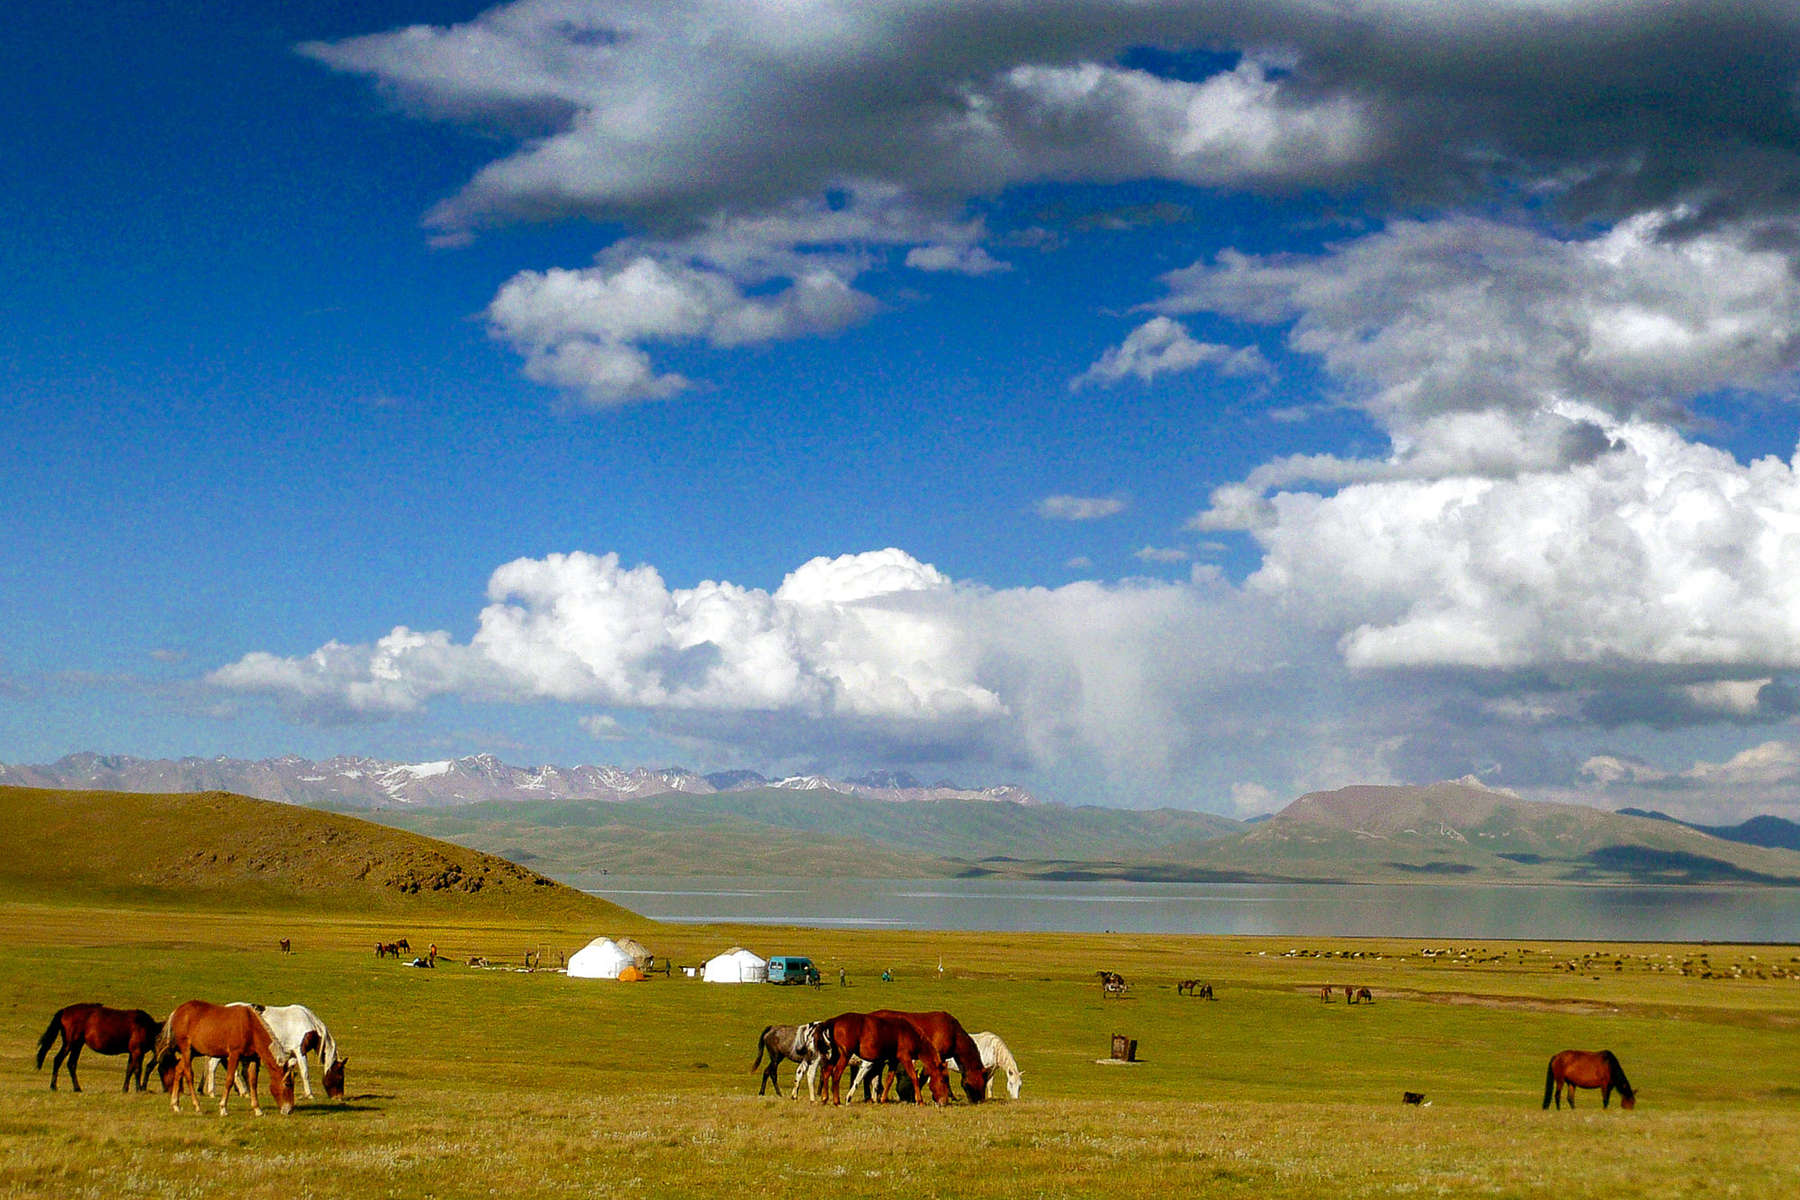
(472,1082)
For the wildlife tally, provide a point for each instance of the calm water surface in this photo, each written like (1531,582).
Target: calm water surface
(1324,910)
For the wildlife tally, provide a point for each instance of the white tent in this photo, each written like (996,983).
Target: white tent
(736,965)
(599,959)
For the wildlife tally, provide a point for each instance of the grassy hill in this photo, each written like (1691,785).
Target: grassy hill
(1454,831)
(214,847)
(780,831)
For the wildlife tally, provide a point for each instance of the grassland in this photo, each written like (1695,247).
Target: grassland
(471,1082)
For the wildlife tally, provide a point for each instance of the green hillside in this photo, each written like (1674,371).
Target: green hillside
(215,847)
(787,832)
(1450,831)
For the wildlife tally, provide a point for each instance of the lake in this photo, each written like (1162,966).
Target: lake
(1675,914)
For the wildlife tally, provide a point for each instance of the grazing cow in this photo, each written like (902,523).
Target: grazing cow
(807,1046)
(878,1040)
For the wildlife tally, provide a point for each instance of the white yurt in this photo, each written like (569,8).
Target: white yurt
(599,959)
(736,965)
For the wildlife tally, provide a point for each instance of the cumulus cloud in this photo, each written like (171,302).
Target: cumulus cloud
(1764,778)
(1661,554)
(1468,315)
(875,650)
(747,126)
(1161,346)
(1080,508)
(582,330)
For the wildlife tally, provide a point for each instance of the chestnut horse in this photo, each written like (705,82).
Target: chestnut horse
(882,1039)
(104,1031)
(1589,1069)
(233,1032)
(950,1040)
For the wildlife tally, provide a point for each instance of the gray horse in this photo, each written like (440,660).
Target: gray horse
(808,1046)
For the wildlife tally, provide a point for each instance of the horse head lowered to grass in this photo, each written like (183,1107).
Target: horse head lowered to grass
(233,1032)
(880,1039)
(1589,1069)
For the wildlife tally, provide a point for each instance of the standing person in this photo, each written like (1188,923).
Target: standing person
(431,953)
(841,982)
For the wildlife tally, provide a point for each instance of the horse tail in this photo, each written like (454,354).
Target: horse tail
(762,1044)
(1549,1081)
(49,1038)
(1618,1075)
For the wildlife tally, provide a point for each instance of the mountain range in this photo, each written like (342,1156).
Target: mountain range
(367,783)
(571,822)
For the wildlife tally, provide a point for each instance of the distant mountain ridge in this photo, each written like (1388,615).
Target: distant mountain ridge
(1465,830)
(370,783)
(1777,832)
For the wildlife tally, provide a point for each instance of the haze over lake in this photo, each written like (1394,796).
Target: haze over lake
(1321,910)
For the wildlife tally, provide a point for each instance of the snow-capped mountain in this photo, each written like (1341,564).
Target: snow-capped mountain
(372,783)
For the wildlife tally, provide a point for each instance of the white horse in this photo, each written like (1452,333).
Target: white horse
(296,1030)
(995,1058)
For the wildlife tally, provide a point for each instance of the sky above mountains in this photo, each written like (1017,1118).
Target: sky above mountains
(1191,403)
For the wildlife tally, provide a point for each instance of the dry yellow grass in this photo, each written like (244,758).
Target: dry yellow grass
(469,1082)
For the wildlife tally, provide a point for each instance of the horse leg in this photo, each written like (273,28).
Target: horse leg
(56,1066)
(133,1065)
(305,1083)
(255,1073)
(74,1057)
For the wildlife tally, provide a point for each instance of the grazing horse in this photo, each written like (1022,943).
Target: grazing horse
(287,946)
(881,1039)
(997,1060)
(403,944)
(233,1032)
(1195,988)
(387,950)
(1112,984)
(1589,1069)
(808,1046)
(299,1031)
(947,1036)
(1365,996)
(104,1031)
(1325,993)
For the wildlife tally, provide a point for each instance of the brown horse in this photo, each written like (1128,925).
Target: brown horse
(1589,1069)
(103,1030)
(882,1039)
(233,1032)
(947,1036)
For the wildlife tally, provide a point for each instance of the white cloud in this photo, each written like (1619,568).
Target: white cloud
(582,330)
(1660,554)
(1160,346)
(958,259)
(1467,315)
(1080,508)
(876,649)
(1160,554)
(1764,778)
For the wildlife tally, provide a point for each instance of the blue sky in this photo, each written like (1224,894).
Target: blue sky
(1186,403)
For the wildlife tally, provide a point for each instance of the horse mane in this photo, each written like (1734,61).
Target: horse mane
(1618,1076)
